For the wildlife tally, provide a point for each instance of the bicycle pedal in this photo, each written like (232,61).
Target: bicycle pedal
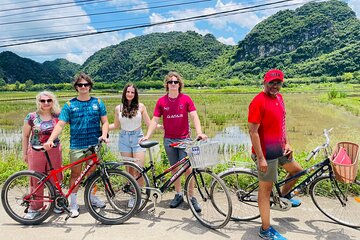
(283,205)
(152,211)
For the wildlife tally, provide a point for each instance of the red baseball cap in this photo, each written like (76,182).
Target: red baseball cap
(274,74)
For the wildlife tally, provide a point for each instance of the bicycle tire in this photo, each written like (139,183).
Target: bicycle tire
(243,187)
(326,193)
(145,192)
(116,210)
(16,187)
(212,195)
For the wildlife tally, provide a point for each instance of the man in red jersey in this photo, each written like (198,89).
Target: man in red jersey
(175,109)
(270,146)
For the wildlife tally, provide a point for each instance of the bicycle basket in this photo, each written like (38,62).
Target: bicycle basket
(203,154)
(346,172)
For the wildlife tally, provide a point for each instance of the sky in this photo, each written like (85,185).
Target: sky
(33,20)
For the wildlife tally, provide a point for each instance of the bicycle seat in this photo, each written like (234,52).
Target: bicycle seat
(38,147)
(148,144)
(41,147)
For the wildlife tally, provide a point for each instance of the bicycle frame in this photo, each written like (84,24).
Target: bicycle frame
(52,174)
(185,165)
(319,168)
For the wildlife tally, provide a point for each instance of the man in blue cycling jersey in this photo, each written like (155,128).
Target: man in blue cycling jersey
(88,123)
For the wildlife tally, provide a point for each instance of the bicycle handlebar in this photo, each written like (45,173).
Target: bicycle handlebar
(318,148)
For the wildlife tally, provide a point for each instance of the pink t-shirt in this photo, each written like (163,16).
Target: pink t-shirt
(175,115)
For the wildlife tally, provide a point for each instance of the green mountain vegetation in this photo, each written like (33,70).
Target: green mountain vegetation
(152,56)
(318,40)
(17,69)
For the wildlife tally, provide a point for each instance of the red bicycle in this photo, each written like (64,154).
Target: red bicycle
(40,193)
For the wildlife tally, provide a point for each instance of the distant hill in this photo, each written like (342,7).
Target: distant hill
(14,68)
(152,56)
(316,39)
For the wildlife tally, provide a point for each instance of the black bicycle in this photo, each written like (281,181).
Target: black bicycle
(209,190)
(335,197)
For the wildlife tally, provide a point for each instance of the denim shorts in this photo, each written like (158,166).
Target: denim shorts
(174,154)
(129,141)
(271,175)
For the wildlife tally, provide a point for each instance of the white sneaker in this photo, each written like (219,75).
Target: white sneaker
(96,202)
(31,214)
(74,211)
(131,203)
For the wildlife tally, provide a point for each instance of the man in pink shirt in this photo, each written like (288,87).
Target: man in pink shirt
(175,108)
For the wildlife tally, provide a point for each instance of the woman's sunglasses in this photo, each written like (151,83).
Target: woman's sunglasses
(46,100)
(172,82)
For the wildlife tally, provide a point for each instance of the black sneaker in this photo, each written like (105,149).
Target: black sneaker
(195,204)
(178,199)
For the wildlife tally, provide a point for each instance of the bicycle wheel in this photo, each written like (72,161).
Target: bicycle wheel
(338,201)
(141,178)
(243,187)
(114,189)
(212,196)
(24,206)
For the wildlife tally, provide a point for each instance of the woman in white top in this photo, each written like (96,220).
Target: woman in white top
(129,116)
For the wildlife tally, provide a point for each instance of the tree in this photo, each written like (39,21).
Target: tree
(2,82)
(17,85)
(28,84)
(347,77)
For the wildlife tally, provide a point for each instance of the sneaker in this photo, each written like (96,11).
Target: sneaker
(74,211)
(295,202)
(131,203)
(178,199)
(96,202)
(31,214)
(195,204)
(270,234)
(58,210)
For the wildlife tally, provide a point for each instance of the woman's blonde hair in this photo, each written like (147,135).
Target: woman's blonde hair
(55,109)
(178,77)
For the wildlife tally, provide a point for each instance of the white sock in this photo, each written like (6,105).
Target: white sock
(73,199)
(180,193)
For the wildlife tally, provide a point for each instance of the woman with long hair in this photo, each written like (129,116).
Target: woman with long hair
(128,117)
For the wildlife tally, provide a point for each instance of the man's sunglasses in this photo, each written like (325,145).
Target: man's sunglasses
(275,83)
(83,84)
(46,100)
(172,82)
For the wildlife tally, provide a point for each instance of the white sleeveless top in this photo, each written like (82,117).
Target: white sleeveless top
(130,124)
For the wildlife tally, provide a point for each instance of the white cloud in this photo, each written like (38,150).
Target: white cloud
(73,49)
(244,20)
(247,20)
(181,27)
(355,5)
(131,4)
(227,41)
